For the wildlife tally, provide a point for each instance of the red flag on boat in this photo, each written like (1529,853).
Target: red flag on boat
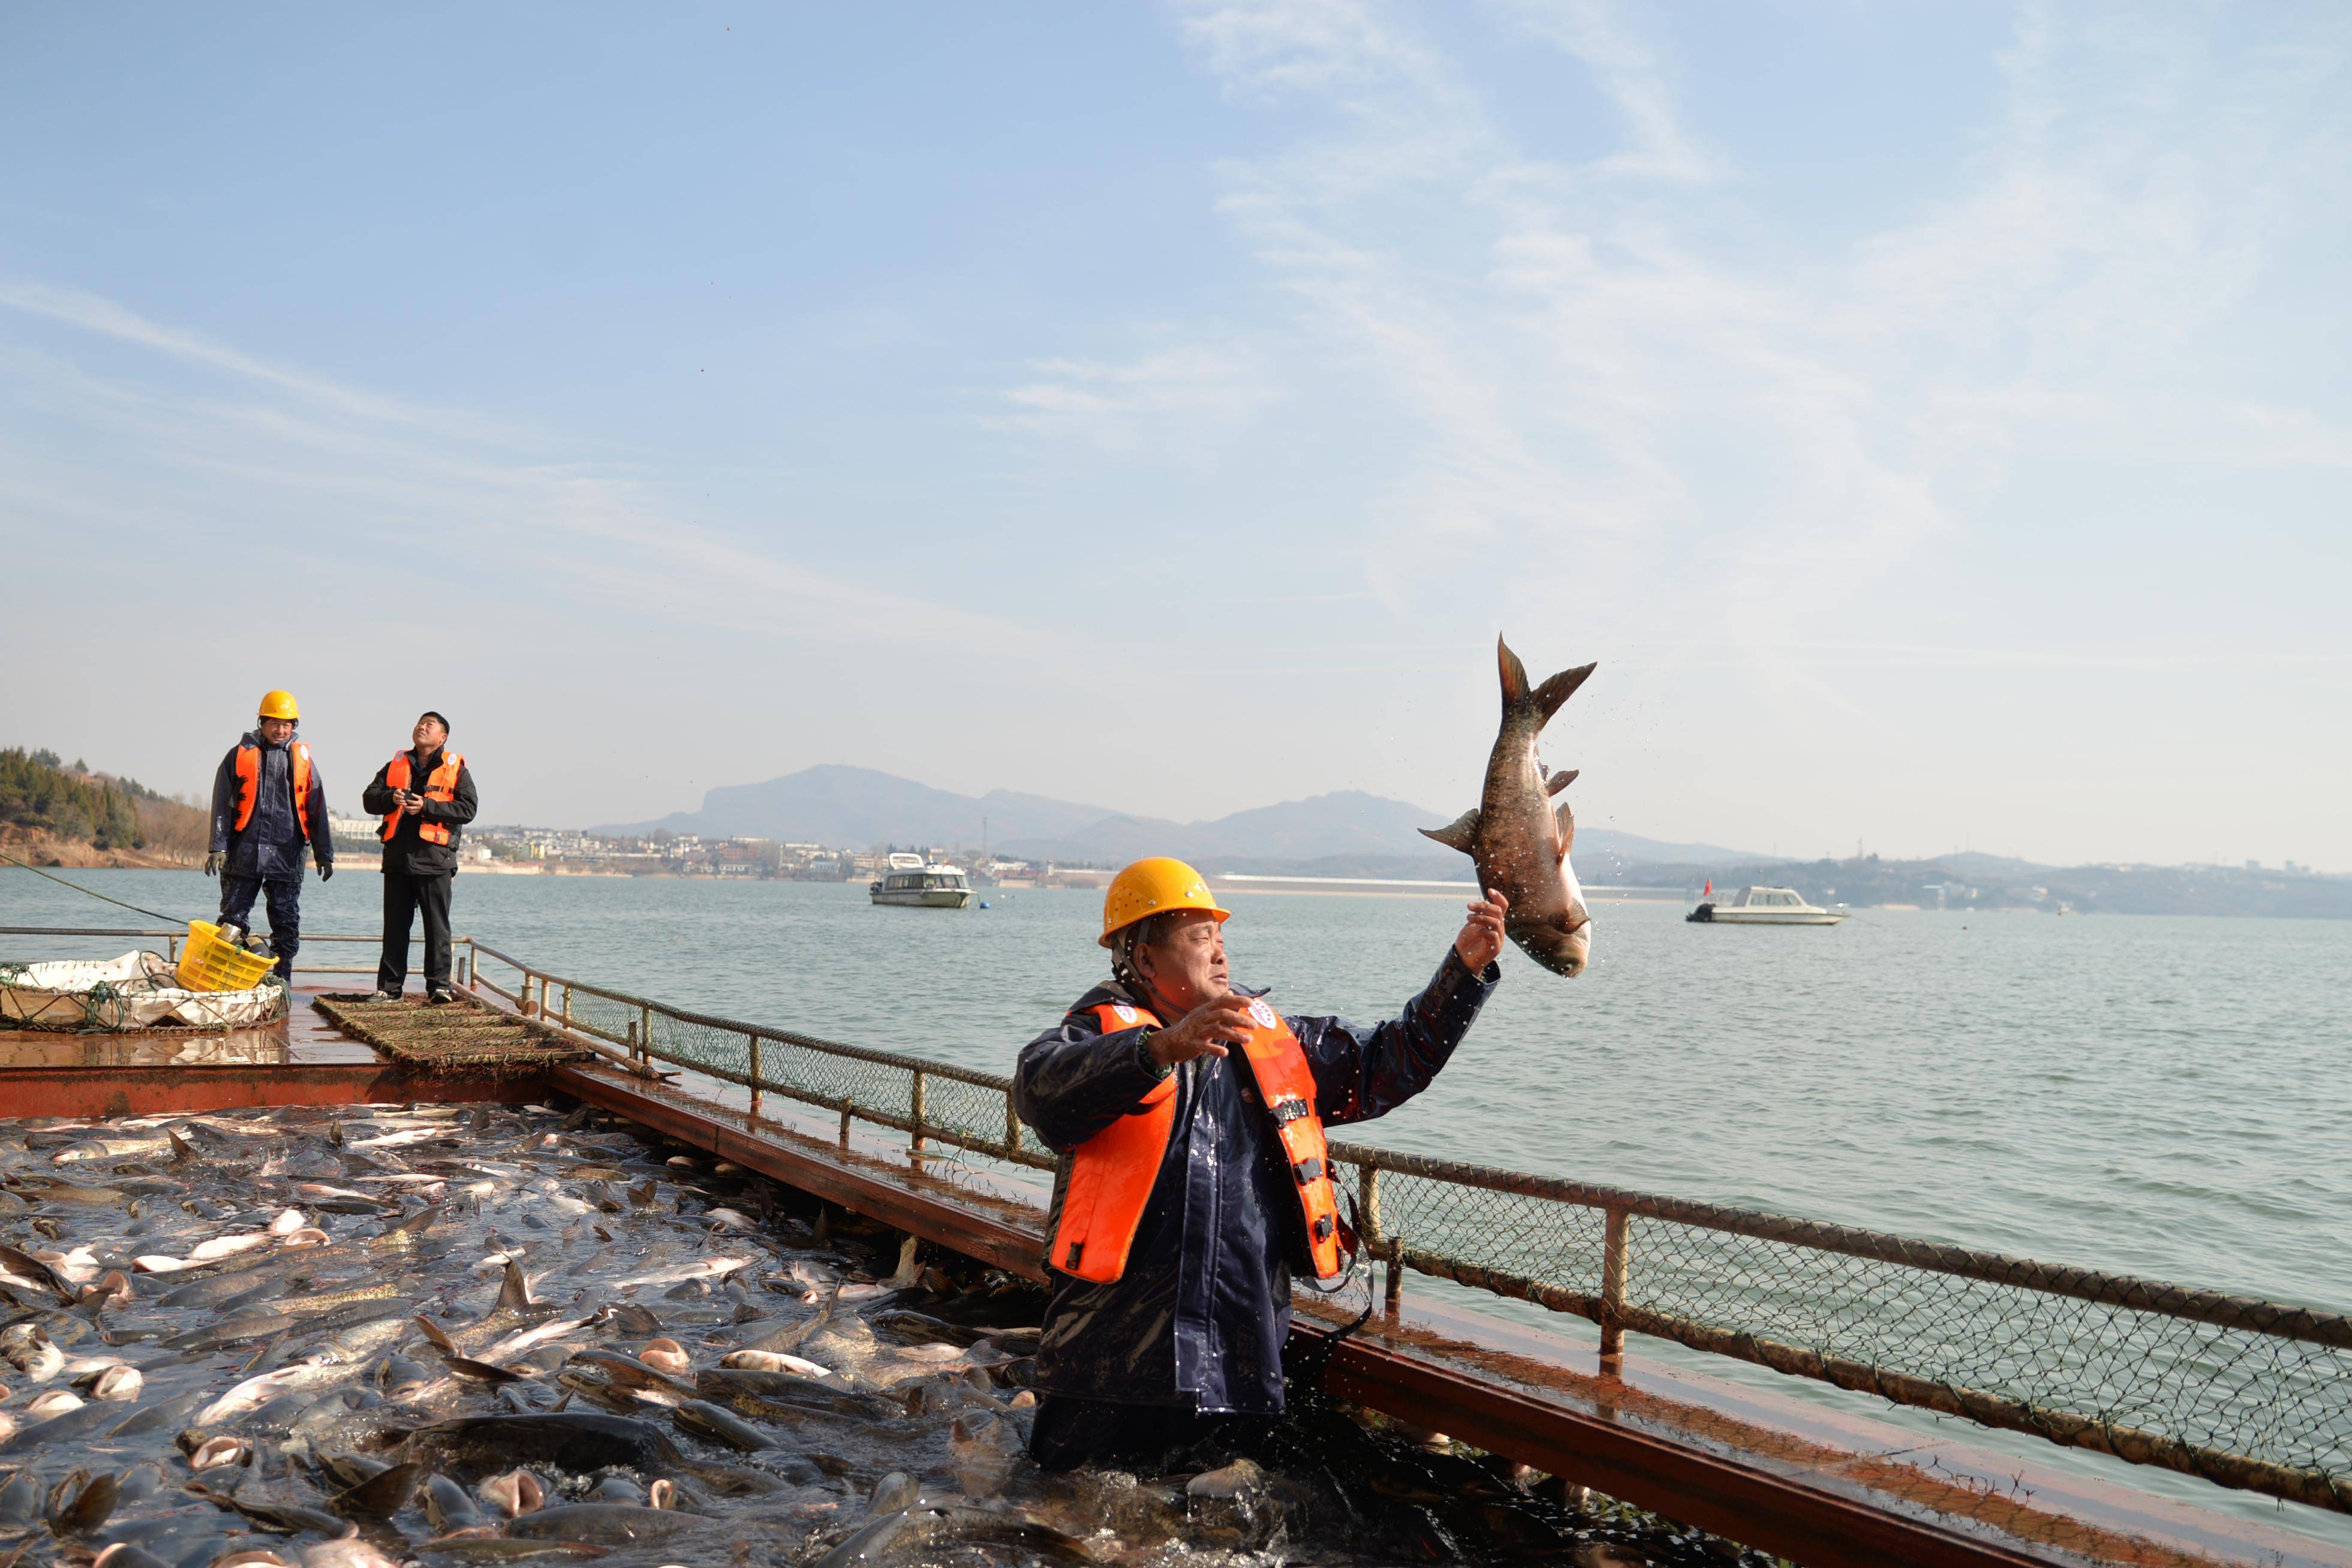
(1710,888)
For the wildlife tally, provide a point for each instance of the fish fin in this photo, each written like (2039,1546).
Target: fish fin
(514,1296)
(1559,781)
(1457,834)
(1557,690)
(1567,827)
(434,1334)
(1514,674)
(383,1494)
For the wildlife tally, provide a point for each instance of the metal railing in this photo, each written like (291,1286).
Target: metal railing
(930,1101)
(2246,1392)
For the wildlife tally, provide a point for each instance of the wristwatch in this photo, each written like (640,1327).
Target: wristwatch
(1145,1060)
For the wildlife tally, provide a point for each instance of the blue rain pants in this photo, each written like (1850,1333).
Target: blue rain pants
(285,893)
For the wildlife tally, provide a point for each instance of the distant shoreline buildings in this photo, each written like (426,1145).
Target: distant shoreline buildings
(1966,883)
(562,852)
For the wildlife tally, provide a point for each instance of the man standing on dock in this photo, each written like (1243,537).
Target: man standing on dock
(1194,1179)
(425,797)
(267,801)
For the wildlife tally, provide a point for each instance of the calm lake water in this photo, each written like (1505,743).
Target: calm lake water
(2163,1096)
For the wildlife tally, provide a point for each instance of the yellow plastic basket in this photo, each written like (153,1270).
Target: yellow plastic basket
(210,963)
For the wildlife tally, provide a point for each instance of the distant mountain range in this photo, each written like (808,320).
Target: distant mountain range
(1346,833)
(1352,834)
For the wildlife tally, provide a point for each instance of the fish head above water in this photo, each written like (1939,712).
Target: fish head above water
(1564,949)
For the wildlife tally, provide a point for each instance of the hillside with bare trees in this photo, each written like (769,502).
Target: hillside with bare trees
(53,814)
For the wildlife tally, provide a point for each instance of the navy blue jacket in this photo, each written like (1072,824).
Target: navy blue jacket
(271,845)
(1199,1317)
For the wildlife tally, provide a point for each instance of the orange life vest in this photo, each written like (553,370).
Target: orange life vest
(249,785)
(440,785)
(1112,1173)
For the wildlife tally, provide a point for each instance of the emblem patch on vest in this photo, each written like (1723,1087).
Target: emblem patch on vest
(1260,1013)
(1124,1013)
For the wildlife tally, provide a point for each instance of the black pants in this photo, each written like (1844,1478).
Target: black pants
(237,893)
(404,896)
(1150,1440)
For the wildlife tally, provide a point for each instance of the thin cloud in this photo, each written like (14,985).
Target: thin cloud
(284,439)
(1171,399)
(1600,392)
(105,317)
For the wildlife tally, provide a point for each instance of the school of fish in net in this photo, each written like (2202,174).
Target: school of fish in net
(367,1335)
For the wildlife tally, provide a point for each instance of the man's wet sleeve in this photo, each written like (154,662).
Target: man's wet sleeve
(1361,1074)
(225,792)
(315,811)
(1072,1081)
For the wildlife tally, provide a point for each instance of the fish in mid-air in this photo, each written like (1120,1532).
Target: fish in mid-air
(1519,839)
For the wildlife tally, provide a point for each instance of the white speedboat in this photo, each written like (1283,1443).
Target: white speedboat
(921,886)
(1765,906)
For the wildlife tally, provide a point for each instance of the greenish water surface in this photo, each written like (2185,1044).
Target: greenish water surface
(2154,1095)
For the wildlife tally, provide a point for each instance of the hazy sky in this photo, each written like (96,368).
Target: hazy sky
(1935,419)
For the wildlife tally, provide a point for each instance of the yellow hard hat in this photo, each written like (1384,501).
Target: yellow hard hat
(1152,887)
(279,705)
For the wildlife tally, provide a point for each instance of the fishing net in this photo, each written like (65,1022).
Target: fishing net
(137,991)
(2244,1392)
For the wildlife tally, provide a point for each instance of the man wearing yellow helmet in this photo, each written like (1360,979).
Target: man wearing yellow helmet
(1194,1180)
(267,801)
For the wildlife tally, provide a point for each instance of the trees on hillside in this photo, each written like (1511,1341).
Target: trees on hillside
(36,792)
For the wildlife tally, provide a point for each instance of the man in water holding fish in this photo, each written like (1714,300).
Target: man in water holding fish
(1194,1180)
(1189,1119)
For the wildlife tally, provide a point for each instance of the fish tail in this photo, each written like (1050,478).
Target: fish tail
(1558,690)
(1514,674)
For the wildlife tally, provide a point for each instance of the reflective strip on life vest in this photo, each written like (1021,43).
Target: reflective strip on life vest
(441,784)
(249,785)
(1289,1085)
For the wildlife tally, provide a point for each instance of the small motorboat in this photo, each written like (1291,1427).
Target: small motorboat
(921,886)
(1765,906)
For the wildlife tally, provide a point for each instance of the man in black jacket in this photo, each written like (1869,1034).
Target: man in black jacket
(1186,1336)
(425,797)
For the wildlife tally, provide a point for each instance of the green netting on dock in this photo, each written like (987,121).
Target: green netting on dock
(458,1035)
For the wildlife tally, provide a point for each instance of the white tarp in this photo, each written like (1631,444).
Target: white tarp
(138,990)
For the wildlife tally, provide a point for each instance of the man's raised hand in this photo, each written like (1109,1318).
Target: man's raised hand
(1206,1030)
(1481,937)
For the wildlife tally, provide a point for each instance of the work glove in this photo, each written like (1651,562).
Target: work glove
(212,864)
(326,870)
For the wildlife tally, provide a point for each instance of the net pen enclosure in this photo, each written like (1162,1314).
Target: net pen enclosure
(552,1199)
